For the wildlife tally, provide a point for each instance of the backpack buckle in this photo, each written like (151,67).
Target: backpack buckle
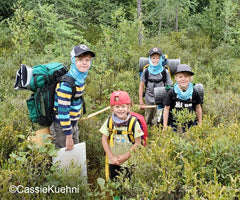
(119,132)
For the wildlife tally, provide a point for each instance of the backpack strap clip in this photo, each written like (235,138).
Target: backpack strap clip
(129,132)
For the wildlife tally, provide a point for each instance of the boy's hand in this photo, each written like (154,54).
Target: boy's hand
(123,158)
(163,130)
(69,142)
(142,106)
(114,160)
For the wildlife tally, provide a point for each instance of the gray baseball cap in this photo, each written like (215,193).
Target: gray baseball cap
(184,68)
(80,49)
(155,50)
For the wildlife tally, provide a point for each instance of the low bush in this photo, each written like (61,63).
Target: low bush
(202,163)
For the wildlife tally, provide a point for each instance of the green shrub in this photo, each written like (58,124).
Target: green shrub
(224,107)
(176,166)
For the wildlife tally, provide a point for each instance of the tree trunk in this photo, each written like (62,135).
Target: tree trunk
(139,12)
(176,19)
(160,26)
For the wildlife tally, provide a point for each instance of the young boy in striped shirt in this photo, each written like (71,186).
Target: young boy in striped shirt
(64,129)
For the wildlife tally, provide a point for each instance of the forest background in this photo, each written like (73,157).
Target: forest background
(205,34)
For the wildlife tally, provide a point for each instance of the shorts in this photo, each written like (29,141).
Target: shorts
(59,137)
(116,170)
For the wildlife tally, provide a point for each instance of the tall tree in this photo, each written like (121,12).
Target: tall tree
(163,15)
(230,18)
(139,14)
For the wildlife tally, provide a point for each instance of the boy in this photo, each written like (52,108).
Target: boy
(182,95)
(119,147)
(64,129)
(155,75)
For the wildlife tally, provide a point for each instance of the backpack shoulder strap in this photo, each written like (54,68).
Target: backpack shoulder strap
(164,75)
(146,77)
(131,130)
(174,95)
(110,124)
(110,130)
(145,67)
(70,81)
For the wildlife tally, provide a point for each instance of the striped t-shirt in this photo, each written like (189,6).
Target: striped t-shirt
(68,110)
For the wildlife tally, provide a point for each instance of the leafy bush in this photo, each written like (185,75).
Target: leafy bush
(203,163)
(224,111)
(176,166)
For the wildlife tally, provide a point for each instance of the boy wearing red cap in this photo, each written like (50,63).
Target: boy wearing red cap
(117,145)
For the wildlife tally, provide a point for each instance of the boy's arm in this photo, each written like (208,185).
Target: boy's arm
(63,92)
(140,92)
(63,115)
(165,116)
(199,113)
(108,151)
(69,142)
(137,142)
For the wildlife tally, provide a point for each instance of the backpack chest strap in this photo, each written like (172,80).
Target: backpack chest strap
(129,132)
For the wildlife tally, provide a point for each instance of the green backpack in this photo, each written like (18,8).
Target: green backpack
(43,83)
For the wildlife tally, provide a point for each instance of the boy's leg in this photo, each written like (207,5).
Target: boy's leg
(59,137)
(174,127)
(75,132)
(116,170)
(150,116)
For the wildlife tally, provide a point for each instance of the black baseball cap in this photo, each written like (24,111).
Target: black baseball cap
(155,50)
(80,49)
(184,68)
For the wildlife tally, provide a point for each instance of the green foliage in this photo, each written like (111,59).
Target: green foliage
(27,166)
(111,80)
(183,117)
(176,167)
(118,46)
(201,164)
(225,110)
(105,190)
(93,138)
(70,178)
(43,32)
(21,31)
(6,9)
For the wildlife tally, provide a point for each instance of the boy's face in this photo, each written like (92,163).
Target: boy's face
(121,111)
(155,59)
(183,80)
(83,62)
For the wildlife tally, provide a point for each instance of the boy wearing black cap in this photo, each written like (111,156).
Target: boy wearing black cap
(64,128)
(153,76)
(182,95)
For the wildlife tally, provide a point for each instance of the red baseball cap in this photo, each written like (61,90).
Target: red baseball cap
(119,98)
